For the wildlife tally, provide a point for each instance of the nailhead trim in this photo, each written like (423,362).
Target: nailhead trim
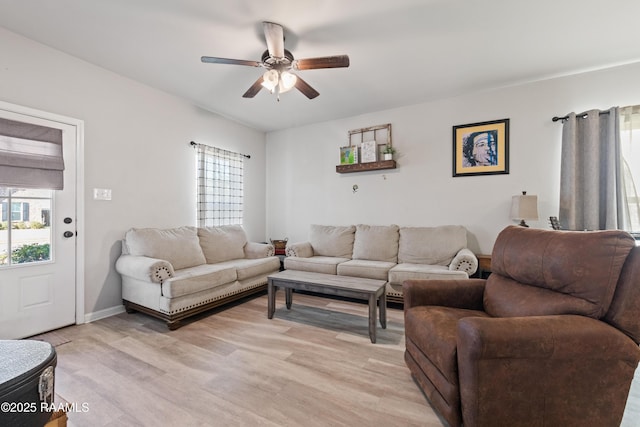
(219,297)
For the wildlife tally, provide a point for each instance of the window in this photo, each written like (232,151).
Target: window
(19,211)
(630,148)
(220,186)
(23,237)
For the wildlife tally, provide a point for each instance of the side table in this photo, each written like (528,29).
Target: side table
(280,253)
(484,266)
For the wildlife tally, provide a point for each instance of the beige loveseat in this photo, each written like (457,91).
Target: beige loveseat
(175,273)
(385,252)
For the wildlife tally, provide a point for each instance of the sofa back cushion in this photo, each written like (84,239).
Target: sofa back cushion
(431,245)
(179,246)
(222,243)
(329,240)
(544,272)
(376,243)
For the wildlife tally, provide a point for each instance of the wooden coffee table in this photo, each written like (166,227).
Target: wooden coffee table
(344,286)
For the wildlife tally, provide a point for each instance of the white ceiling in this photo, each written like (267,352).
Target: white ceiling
(402,52)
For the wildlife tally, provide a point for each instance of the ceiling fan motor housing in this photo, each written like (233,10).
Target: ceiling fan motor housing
(271,62)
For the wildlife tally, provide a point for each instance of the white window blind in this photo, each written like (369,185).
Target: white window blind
(220,186)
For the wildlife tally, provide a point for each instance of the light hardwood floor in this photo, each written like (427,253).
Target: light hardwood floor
(313,365)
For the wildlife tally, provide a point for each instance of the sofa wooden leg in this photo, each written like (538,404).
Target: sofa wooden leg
(129,309)
(174,324)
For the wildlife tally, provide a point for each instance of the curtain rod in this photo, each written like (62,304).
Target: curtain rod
(193,144)
(582,116)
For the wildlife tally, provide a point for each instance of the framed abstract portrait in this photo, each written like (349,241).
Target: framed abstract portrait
(481,148)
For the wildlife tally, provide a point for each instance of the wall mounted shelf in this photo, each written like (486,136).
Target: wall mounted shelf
(371,136)
(363,167)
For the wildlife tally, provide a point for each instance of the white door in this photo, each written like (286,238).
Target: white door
(38,252)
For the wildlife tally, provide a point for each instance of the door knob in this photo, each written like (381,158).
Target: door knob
(68,234)
(67,220)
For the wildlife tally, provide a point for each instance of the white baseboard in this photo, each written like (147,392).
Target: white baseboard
(101,314)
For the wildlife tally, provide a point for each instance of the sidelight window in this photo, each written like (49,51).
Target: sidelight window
(25,231)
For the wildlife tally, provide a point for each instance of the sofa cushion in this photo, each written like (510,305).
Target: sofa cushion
(431,245)
(565,272)
(332,241)
(179,246)
(198,278)
(222,243)
(248,268)
(316,264)
(365,268)
(406,271)
(376,243)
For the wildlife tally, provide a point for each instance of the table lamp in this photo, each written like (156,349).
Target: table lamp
(524,207)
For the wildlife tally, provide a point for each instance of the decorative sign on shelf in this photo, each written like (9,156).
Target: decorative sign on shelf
(368,152)
(348,155)
(370,147)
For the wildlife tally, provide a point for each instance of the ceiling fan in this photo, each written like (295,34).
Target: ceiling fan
(279,63)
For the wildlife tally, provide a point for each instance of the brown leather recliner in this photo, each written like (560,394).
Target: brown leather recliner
(549,339)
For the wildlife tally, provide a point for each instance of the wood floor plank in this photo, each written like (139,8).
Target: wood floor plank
(313,365)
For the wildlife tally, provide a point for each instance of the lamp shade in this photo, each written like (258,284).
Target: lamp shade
(287,81)
(524,207)
(270,80)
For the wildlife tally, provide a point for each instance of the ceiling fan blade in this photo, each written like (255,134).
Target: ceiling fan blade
(254,89)
(274,35)
(338,61)
(307,90)
(215,60)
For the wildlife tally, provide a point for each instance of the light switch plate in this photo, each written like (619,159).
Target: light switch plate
(101,194)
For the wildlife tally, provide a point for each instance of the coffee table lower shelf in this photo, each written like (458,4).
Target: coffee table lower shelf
(370,290)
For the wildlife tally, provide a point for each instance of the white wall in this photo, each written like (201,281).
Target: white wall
(136,143)
(303,187)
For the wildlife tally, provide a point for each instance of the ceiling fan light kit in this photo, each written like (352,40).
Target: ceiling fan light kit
(279,81)
(270,80)
(279,63)
(287,81)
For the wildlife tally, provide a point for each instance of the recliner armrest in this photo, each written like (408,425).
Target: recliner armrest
(465,260)
(300,249)
(543,337)
(144,268)
(467,293)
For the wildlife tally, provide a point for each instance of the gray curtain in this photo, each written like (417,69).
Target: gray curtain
(591,180)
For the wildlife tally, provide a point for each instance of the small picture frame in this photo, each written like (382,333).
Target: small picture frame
(368,152)
(349,155)
(481,148)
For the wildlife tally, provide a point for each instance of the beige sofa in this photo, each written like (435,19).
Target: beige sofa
(176,273)
(389,252)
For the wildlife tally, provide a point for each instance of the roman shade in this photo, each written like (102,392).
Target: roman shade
(30,156)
